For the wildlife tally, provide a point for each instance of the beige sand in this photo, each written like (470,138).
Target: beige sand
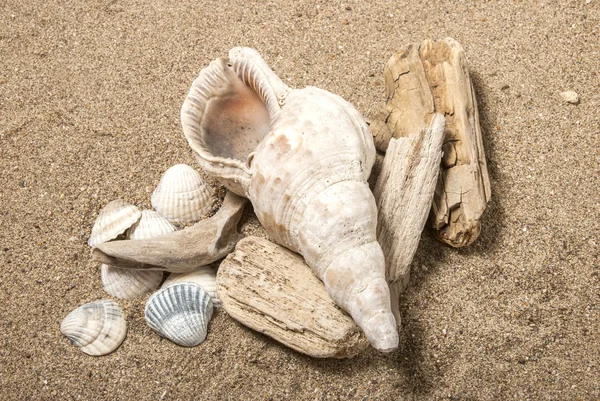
(90,93)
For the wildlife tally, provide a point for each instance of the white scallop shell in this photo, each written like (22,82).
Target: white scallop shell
(114,219)
(129,283)
(98,328)
(182,196)
(152,224)
(205,276)
(180,313)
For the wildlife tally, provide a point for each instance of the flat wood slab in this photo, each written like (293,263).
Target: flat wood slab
(273,291)
(422,79)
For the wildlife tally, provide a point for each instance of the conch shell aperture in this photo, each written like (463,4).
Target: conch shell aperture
(302,157)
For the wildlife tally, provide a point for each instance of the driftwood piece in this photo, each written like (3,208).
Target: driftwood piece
(403,192)
(181,251)
(272,290)
(423,79)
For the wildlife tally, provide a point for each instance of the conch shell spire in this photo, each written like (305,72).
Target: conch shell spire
(302,157)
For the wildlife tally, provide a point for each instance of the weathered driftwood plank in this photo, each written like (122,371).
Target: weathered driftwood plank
(423,79)
(272,290)
(403,192)
(181,251)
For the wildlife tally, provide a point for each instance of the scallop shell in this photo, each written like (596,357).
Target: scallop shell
(180,313)
(114,219)
(205,276)
(128,283)
(152,224)
(182,196)
(98,328)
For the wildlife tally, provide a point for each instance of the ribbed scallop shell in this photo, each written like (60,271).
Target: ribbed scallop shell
(180,313)
(182,196)
(129,283)
(205,276)
(114,219)
(98,328)
(152,224)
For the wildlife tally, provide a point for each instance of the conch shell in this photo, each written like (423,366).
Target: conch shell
(302,157)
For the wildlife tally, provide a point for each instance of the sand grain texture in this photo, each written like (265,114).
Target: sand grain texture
(90,94)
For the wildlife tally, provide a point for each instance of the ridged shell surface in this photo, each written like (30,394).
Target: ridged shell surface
(129,283)
(205,276)
(98,328)
(114,219)
(182,196)
(152,224)
(181,313)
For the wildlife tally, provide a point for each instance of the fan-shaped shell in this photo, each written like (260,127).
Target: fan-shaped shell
(98,328)
(152,224)
(129,283)
(205,276)
(182,196)
(114,219)
(180,313)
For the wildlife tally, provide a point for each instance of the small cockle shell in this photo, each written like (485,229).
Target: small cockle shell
(205,276)
(182,196)
(152,224)
(180,313)
(128,284)
(114,219)
(98,328)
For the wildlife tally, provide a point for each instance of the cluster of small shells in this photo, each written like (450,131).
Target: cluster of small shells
(181,310)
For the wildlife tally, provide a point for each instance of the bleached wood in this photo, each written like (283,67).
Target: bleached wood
(181,251)
(273,291)
(433,77)
(404,191)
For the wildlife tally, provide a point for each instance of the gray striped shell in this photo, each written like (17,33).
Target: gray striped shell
(98,328)
(205,276)
(180,313)
(114,219)
(182,195)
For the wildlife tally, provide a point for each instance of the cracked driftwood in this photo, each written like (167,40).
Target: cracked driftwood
(423,79)
(181,251)
(403,192)
(273,291)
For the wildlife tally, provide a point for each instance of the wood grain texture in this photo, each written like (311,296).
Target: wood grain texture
(181,251)
(273,291)
(404,191)
(423,79)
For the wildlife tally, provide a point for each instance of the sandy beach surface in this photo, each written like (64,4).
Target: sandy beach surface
(90,93)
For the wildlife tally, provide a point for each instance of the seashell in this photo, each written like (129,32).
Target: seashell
(204,276)
(98,328)
(182,196)
(152,224)
(180,313)
(302,157)
(127,283)
(114,219)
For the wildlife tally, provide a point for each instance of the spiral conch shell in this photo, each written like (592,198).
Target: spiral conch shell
(302,157)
